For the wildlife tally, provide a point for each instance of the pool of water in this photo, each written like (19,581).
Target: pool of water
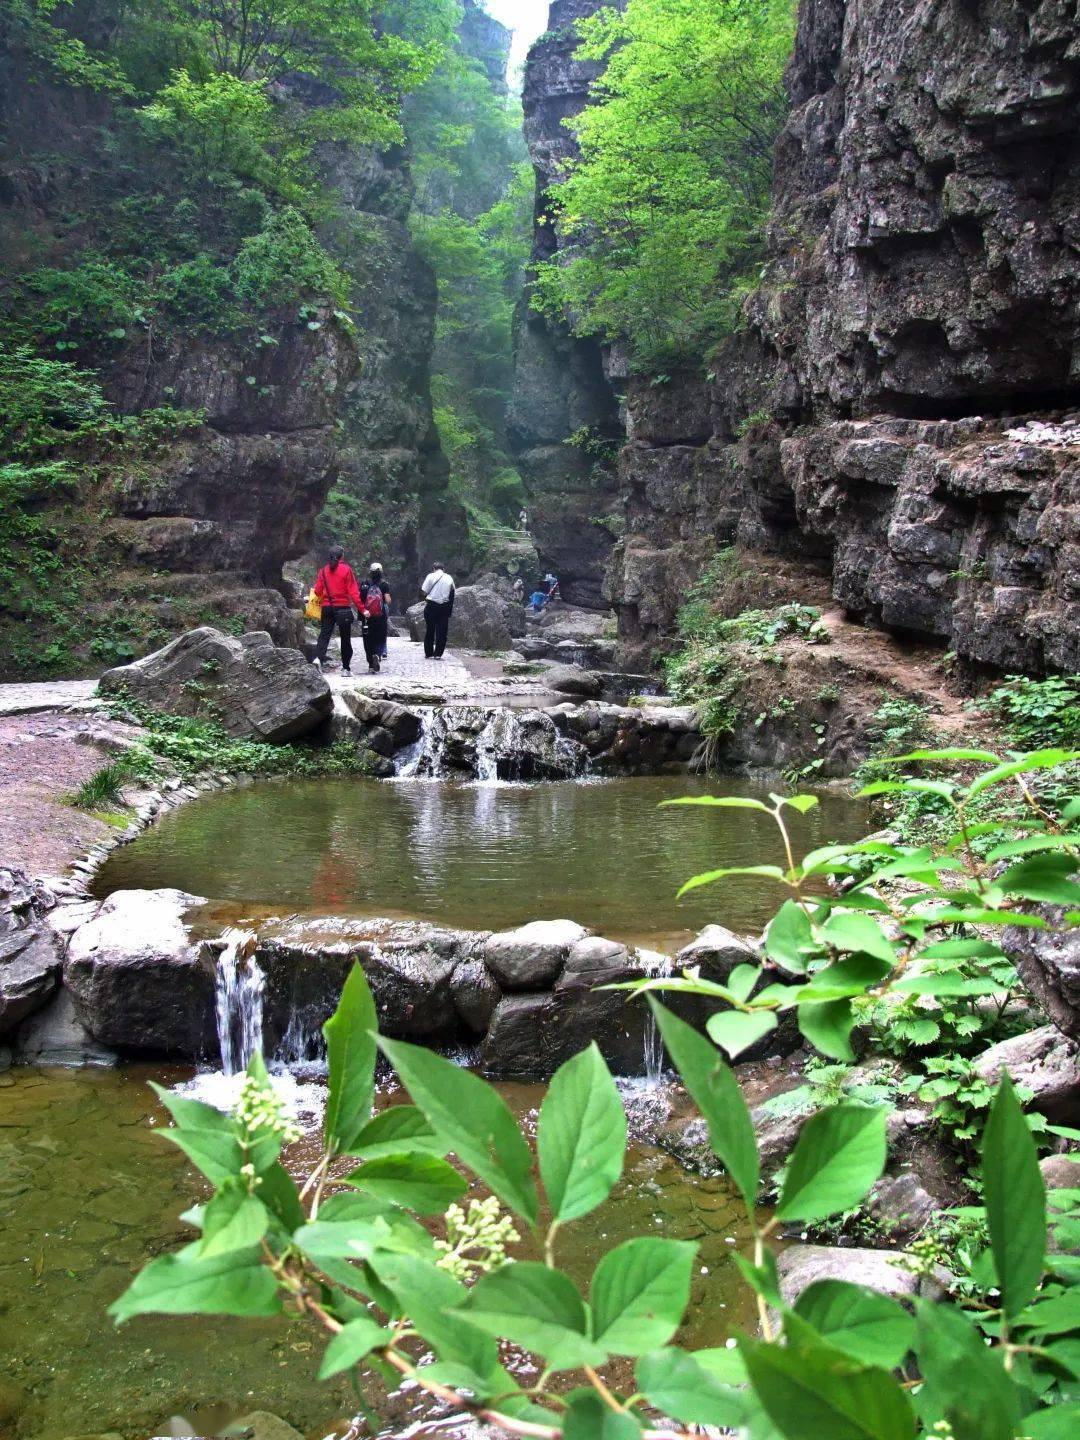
(88,1193)
(479,856)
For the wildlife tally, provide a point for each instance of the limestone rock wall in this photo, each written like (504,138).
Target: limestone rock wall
(564,423)
(901,403)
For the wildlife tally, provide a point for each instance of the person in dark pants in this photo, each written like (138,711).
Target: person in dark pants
(376,597)
(438,592)
(336,587)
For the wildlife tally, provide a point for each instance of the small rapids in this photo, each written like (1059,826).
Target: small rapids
(500,746)
(239,988)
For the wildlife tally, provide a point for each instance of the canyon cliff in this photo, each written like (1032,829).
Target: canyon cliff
(899,413)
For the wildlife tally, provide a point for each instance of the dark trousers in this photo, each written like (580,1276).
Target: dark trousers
(374,639)
(436,624)
(341,616)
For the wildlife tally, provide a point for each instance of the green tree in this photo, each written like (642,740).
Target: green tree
(663,213)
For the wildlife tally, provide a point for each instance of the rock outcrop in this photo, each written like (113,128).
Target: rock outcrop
(564,423)
(29,957)
(249,686)
(896,408)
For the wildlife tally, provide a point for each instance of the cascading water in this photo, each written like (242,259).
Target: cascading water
(422,756)
(654,963)
(239,988)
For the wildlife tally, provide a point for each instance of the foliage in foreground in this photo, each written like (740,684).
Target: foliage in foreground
(664,213)
(845,1362)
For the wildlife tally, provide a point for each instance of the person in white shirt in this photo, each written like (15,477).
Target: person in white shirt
(438,591)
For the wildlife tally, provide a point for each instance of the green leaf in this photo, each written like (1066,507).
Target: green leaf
(769,872)
(965,1383)
(217,1153)
(839,1155)
(816,1390)
(948,983)
(377,1223)
(1036,760)
(233,1220)
(845,978)
(736,1030)
(397,1130)
(233,1284)
(1060,1422)
(423,1183)
(639,1293)
(581,1136)
(1015,1199)
(987,756)
(277,1191)
(432,1300)
(1054,1314)
(862,1323)
(828,1024)
(846,931)
(742,980)
(192,1114)
(789,939)
(357,1339)
(716,1093)
(962,950)
(538,1308)
(680,1386)
(588,1417)
(1031,843)
(350,1054)
(1045,877)
(727,802)
(801,803)
(473,1119)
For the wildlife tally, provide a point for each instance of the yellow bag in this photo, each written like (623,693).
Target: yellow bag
(313,608)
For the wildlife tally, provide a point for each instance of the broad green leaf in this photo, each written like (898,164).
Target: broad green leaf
(715,1091)
(375,1217)
(1037,760)
(950,983)
(828,1024)
(423,1183)
(742,980)
(941,788)
(839,1154)
(986,756)
(397,1130)
(845,931)
(1044,877)
(965,1383)
(1054,1315)
(192,1114)
(277,1191)
(861,1322)
(587,1417)
(350,1055)
(233,1284)
(1060,1422)
(769,872)
(845,978)
(538,1308)
(473,1119)
(432,1300)
(736,1030)
(1033,843)
(639,1293)
(233,1220)
(680,1386)
(763,1279)
(217,1153)
(801,803)
(1015,1198)
(789,939)
(962,950)
(581,1136)
(816,1390)
(355,1340)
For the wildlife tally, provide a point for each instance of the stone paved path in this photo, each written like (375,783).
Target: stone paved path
(407,673)
(27,699)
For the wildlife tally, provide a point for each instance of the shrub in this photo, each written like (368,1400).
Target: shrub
(284,264)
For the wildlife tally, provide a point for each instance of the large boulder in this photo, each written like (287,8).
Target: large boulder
(29,954)
(1049,965)
(138,980)
(532,955)
(1046,1064)
(801,1266)
(402,724)
(248,685)
(56,1036)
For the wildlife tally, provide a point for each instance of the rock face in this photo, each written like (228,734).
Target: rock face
(29,957)
(564,424)
(896,408)
(482,619)
(1049,965)
(1043,1062)
(248,685)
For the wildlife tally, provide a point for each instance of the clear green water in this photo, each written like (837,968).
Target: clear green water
(88,1192)
(478,857)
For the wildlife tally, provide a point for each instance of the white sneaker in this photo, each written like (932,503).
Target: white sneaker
(347,674)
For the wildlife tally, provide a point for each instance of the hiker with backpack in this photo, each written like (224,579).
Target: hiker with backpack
(375,600)
(339,594)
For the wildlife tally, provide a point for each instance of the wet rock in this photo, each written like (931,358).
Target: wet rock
(56,1036)
(137,980)
(533,954)
(1044,1062)
(1049,965)
(412,989)
(526,745)
(249,685)
(572,680)
(475,994)
(595,961)
(715,952)
(777,1134)
(29,968)
(801,1265)
(514,1044)
(901,1205)
(1060,1172)
(402,724)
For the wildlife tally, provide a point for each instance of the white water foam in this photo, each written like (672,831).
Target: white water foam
(238,991)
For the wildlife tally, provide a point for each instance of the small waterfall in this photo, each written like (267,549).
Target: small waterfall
(422,756)
(239,990)
(653,963)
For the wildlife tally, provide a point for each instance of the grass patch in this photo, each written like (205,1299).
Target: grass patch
(103,792)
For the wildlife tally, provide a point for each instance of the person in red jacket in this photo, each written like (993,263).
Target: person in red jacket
(336,587)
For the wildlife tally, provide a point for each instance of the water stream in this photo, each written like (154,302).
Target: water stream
(238,992)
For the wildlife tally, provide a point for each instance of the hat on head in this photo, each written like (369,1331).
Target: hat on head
(376,568)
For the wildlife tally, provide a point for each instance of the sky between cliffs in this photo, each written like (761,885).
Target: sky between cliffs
(527,19)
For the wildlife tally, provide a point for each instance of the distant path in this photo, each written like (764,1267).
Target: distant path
(459,677)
